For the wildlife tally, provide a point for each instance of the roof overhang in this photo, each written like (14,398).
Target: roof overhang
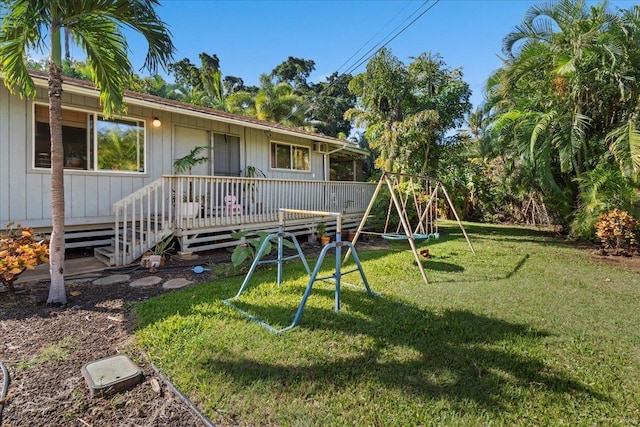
(80,87)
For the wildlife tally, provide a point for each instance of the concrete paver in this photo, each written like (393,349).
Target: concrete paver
(177,283)
(71,266)
(145,282)
(113,279)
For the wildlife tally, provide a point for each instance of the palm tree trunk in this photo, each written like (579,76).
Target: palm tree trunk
(425,161)
(57,294)
(67,54)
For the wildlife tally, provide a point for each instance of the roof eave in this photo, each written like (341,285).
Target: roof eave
(158,104)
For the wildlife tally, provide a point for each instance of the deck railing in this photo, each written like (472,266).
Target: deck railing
(206,201)
(175,203)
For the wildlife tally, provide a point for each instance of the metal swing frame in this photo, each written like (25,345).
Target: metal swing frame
(336,276)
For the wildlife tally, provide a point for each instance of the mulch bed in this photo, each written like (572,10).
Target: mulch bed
(44,348)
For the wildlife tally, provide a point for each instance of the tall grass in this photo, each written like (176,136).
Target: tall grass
(529,331)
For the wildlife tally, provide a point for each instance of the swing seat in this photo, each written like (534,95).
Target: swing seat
(403,237)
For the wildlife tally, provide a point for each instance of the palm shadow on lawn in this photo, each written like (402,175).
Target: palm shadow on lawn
(462,356)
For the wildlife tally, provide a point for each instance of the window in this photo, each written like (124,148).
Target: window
(345,169)
(120,145)
(91,142)
(292,157)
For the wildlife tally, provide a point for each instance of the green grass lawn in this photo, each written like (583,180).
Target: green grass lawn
(529,331)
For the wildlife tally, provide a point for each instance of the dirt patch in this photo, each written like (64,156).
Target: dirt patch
(627,261)
(44,348)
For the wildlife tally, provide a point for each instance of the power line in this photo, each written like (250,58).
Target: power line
(373,36)
(371,52)
(375,48)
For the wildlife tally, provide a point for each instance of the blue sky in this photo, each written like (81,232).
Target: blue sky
(252,37)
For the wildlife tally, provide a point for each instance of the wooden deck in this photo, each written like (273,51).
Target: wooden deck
(203,211)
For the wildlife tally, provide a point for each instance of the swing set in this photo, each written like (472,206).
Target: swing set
(422,193)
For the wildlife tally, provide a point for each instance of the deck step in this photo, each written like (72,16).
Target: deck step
(105,254)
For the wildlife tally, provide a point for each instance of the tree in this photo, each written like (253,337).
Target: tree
(328,101)
(381,91)
(408,109)
(205,86)
(96,26)
(278,103)
(294,71)
(565,100)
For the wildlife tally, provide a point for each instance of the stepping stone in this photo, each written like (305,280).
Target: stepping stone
(114,279)
(176,283)
(111,374)
(145,282)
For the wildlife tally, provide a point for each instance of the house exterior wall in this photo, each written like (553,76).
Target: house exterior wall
(90,195)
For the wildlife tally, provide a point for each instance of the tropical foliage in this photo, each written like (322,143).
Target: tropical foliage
(19,251)
(407,110)
(205,86)
(252,244)
(95,26)
(565,108)
(617,229)
(556,140)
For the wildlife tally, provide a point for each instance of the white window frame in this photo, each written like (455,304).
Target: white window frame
(92,142)
(291,146)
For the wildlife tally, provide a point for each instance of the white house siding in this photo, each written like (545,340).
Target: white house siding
(4,155)
(89,196)
(254,148)
(13,113)
(258,154)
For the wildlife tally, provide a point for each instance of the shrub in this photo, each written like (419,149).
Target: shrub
(19,251)
(250,248)
(602,190)
(617,229)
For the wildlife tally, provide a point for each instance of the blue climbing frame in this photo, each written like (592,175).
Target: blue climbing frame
(336,277)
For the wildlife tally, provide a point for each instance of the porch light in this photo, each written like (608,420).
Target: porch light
(156,122)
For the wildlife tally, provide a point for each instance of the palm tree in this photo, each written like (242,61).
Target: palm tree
(96,26)
(278,102)
(408,109)
(381,90)
(566,97)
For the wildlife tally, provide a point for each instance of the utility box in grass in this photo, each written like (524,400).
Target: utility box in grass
(110,375)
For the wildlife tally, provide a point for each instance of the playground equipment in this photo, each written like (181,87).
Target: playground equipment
(336,276)
(424,191)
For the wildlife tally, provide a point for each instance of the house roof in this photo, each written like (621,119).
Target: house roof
(84,87)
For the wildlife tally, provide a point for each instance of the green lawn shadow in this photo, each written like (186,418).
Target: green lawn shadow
(461,343)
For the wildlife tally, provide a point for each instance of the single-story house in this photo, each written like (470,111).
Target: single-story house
(122,195)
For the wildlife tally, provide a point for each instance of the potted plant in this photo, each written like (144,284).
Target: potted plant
(73,160)
(253,172)
(157,256)
(322,228)
(190,207)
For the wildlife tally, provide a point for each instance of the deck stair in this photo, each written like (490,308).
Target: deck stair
(142,221)
(127,247)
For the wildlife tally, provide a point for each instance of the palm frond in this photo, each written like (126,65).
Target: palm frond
(624,145)
(541,126)
(20,32)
